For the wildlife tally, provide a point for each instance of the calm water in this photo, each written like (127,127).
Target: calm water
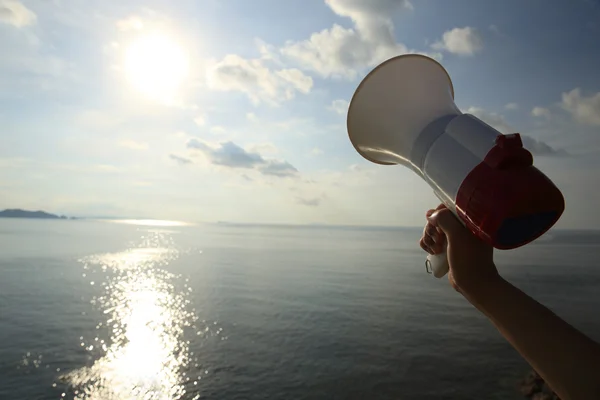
(99,310)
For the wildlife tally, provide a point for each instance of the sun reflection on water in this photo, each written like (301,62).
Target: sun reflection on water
(145,355)
(149,222)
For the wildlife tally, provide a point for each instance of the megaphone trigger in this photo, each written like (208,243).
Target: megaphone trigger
(437,264)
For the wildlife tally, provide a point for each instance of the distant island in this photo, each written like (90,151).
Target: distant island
(17,213)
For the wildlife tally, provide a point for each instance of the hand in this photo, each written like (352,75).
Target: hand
(470,259)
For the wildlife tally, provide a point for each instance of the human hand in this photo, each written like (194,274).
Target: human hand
(470,259)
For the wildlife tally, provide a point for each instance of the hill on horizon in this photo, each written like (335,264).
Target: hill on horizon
(19,213)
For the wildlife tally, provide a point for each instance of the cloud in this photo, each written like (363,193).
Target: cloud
(463,41)
(309,202)
(263,148)
(217,130)
(133,145)
(339,106)
(585,110)
(200,120)
(251,117)
(498,122)
(356,168)
(142,184)
(540,112)
(511,106)
(344,52)
(278,168)
(256,80)
(16,14)
(540,148)
(495,120)
(316,151)
(297,79)
(14,162)
(130,24)
(229,154)
(106,168)
(179,159)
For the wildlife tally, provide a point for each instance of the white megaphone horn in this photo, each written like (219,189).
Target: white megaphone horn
(403,112)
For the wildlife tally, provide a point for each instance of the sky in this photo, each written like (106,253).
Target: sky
(234,110)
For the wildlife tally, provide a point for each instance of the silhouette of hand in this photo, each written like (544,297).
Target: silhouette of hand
(470,259)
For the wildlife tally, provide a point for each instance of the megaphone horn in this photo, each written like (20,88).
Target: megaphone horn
(403,112)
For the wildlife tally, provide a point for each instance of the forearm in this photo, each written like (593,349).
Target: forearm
(567,360)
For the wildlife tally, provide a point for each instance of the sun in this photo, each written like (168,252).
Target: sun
(157,66)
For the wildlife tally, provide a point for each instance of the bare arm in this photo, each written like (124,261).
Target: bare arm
(565,358)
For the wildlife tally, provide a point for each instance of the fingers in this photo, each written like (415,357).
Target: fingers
(446,222)
(429,213)
(423,242)
(432,240)
(424,246)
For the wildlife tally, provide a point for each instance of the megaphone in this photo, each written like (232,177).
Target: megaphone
(403,112)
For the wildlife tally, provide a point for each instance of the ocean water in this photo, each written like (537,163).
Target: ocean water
(101,310)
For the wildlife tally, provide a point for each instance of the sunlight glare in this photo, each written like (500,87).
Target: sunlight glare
(157,66)
(145,355)
(150,222)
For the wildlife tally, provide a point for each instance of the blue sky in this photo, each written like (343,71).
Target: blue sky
(235,110)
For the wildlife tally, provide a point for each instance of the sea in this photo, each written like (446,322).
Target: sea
(163,310)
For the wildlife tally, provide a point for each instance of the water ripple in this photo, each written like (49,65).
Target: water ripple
(145,355)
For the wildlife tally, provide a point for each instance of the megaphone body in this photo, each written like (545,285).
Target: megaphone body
(403,112)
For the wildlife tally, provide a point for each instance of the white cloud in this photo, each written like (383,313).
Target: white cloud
(130,23)
(16,14)
(142,184)
(106,168)
(13,162)
(310,201)
(227,154)
(133,145)
(179,159)
(218,130)
(344,52)
(200,120)
(540,112)
(263,148)
(539,148)
(585,110)
(497,121)
(255,79)
(267,51)
(511,106)
(230,155)
(462,41)
(297,79)
(316,151)
(251,117)
(339,106)
(278,168)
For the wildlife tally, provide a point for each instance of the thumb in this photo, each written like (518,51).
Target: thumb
(445,220)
